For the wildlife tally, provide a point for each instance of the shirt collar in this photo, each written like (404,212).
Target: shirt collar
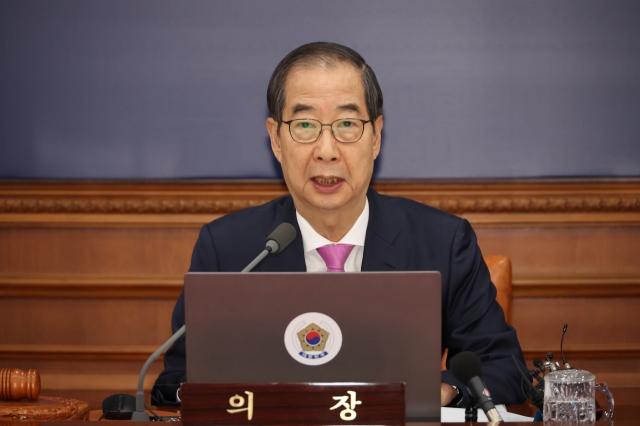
(311,240)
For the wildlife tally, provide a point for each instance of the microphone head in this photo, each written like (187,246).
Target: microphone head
(282,236)
(538,363)
(465,366)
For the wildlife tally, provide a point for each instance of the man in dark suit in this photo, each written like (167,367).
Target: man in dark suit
(325,128)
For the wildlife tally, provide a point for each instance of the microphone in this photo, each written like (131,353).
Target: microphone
(551,365)
(535,395)
(564,361)
(277,241)
(466,367)
(538,364)
(536,375)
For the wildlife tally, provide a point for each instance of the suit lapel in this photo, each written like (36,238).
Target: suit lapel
(292,258)
(380,249)
(380,253)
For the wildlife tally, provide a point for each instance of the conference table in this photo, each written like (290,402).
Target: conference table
(72,423)
(166,411)
(627,416)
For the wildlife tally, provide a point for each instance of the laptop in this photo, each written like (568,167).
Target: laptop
(305,327)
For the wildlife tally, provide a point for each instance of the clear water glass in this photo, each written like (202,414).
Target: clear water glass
(570,396)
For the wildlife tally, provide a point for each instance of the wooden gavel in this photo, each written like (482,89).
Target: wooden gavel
(16,384)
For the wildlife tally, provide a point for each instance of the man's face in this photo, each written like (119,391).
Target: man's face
(326,174)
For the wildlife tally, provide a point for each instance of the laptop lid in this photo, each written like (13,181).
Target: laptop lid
(301,327)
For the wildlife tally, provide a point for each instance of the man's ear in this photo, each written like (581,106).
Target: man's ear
(274,135)
(377,137)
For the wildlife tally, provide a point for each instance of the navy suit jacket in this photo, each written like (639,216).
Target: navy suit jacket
(402,235)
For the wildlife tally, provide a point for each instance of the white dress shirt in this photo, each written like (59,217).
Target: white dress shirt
(311,240)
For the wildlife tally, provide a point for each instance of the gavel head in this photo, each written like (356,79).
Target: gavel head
(16,384)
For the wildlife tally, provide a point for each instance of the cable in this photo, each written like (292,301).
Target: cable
(150,410)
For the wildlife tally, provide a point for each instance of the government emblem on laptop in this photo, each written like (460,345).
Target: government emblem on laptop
(313,338)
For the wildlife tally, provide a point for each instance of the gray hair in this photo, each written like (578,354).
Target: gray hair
(323,54)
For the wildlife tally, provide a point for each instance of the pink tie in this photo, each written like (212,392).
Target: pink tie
(334,255)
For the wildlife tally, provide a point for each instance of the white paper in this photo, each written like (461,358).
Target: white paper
(456,415)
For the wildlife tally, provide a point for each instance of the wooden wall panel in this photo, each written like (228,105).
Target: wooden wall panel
(89,272)
(595,324)
(574,251)
(89,322)
(112,251)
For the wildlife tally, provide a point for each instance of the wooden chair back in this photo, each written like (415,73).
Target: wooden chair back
(500,271)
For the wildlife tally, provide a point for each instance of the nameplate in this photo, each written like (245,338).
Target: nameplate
(293,403)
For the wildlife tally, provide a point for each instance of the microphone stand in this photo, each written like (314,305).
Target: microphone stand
(276,241)
(271,247)
(471,411)
(140,415)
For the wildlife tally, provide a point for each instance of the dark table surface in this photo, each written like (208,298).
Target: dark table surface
(70,423)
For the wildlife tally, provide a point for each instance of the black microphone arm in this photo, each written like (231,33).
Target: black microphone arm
(535,395)
(564,360)
(277,241)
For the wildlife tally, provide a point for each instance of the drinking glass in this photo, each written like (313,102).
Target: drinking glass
(570,396)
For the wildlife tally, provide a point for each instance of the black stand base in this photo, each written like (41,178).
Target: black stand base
(471,413)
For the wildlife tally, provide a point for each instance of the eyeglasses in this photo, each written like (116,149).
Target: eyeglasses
(307,130)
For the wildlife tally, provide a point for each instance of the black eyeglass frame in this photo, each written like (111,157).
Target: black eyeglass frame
(364,123)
